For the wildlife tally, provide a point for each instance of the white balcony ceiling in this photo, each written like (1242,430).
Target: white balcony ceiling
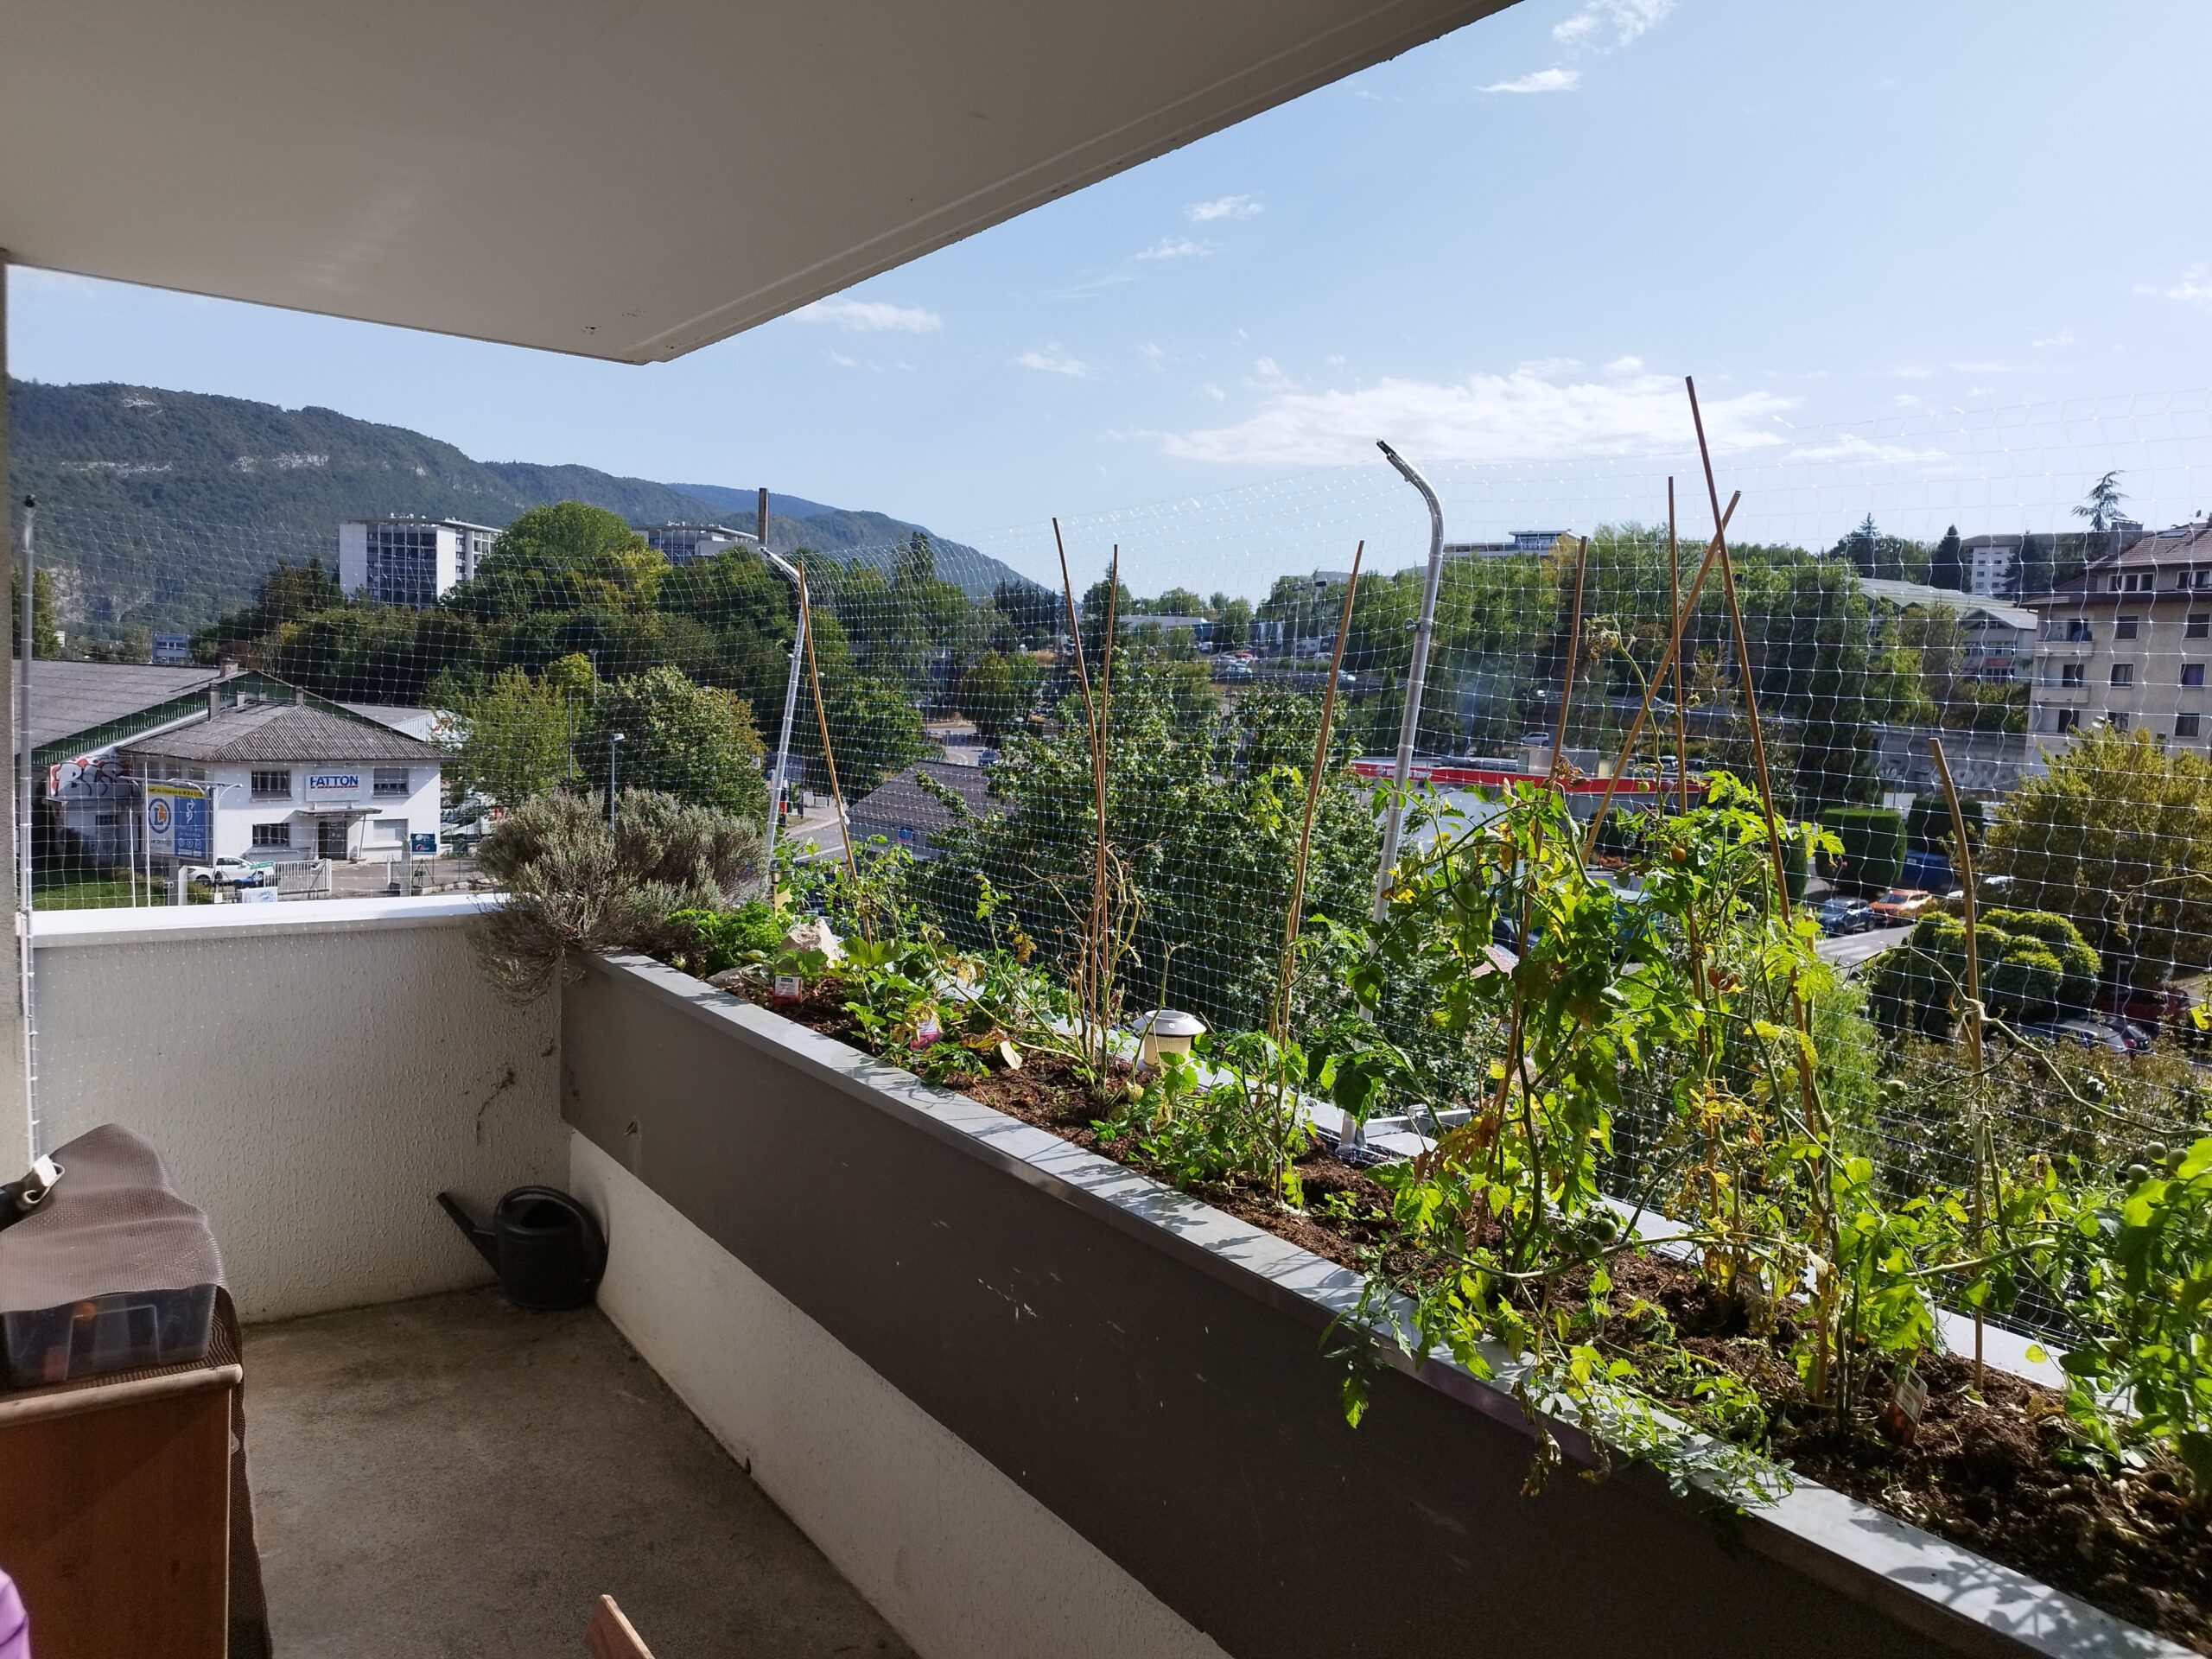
(626,181)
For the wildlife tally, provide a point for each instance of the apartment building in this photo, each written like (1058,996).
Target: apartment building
(682,544)
(2127,644)
(409,562)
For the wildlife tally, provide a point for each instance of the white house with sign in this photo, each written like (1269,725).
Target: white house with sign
(290,781)
(187,765)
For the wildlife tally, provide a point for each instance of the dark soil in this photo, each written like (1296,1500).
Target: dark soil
(1988,1467)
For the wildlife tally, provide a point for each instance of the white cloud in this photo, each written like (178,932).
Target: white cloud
(1177,247)
(1154,358)
(1912,372)
(2195,288)
(1521,417)
(1906,400)
(871,316)
(1548,368)
(1205,213)
(1850,447)
(1626,365)
(1213,391)
(2049,342)
(1542,80)
(1609,25)
(1334,359)
(841,361)
(1051,360)
(1267,375)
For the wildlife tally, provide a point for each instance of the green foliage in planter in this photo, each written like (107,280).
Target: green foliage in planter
(573,885)
(709,942)
(1873,845)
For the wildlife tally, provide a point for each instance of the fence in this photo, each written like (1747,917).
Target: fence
(2032,586)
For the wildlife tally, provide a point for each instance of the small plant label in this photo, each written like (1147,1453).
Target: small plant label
(790,988)
(1010,1056)
(928,1031)
(1907,1401)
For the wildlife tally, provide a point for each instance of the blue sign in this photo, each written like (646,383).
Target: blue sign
(191,827)
(422,846)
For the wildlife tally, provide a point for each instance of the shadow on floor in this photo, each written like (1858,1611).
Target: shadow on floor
(455,1476)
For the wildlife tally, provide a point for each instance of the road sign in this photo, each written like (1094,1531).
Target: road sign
(176,821)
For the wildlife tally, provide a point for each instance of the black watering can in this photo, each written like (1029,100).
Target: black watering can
(543,1245)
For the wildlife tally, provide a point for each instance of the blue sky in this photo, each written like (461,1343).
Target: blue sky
(1504,247)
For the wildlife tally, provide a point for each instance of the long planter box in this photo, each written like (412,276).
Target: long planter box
(1151,1371)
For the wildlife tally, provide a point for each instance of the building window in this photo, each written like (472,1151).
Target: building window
(2118,719)
(389,832)
(2126,627)
(2192,673)
(2188,725)
(391,780)
(2073,674)
(2077,631)
(2198,626)
(2068,718)
(273,785)
(2132,582)
(2123,673)
(272,834)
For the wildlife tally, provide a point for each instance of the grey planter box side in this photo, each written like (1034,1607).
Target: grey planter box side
(1152,1372)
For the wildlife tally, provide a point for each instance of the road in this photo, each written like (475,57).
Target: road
(1852,949)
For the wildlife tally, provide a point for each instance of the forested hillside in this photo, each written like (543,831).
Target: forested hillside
(161,509)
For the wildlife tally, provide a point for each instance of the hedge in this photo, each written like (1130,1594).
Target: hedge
(1874,845)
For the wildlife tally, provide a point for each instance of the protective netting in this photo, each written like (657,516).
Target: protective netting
(225,709)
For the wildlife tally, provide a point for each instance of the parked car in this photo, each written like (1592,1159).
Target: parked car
(1901,904)
(2084,1034)
(229,872)
(1840,915)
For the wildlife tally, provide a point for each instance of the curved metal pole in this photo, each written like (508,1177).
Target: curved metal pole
(1416,678)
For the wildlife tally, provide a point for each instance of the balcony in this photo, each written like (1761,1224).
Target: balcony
(1000,1397)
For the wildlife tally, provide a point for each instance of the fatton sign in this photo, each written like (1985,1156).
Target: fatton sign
(333,786)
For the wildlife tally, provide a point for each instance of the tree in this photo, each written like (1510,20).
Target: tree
(515,738)
(289,593)
(997,692)
(1892,558)
(1948,568)
(45,641)
(695,742)
(1203,814)
(2101,506)
(2117,837)
(567,556)
(1232,627)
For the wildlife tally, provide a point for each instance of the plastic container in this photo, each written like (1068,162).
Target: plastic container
(123,1331)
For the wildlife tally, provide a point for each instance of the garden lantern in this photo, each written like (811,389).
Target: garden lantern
(1167,1031)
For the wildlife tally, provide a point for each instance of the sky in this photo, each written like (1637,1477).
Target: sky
(1501,250)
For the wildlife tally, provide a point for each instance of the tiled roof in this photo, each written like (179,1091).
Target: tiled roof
(2162,550)
(900,803)
(71,697)
(284,731)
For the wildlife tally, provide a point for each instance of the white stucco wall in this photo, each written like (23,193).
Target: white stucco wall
(313,1074)
(964,1562)
(236,809)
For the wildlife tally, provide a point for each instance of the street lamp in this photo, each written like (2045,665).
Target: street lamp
(618,738)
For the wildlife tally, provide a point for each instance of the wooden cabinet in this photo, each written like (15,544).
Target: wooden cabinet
(117,1523)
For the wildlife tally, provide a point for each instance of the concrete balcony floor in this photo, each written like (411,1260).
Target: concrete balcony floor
(453,1475)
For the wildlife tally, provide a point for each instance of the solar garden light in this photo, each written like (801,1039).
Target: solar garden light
(1166,1031)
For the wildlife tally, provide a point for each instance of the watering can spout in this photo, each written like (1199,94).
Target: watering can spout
(485,1241)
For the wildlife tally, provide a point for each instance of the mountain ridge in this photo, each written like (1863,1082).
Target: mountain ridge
(159,509)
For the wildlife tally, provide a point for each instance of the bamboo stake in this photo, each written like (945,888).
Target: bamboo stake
(1280,1022)
(1963,856)
(829,760)
(1670,659)
(1674,603)
(1574,656)
(1808,1089)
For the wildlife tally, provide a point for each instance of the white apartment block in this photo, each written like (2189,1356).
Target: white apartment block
(1990,561)
(409,562)
(2128,644)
